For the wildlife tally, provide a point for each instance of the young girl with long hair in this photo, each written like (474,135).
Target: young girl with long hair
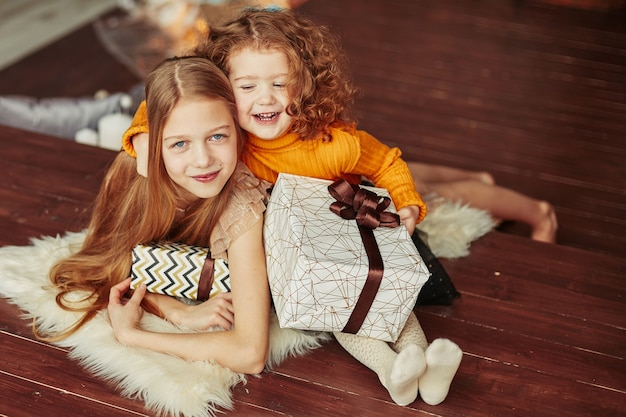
(196,192)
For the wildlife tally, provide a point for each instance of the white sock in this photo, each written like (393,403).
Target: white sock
(443,358)
(402,383)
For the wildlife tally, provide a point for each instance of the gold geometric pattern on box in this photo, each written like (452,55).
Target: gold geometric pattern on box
(317,264)
(221,278)
(175,269)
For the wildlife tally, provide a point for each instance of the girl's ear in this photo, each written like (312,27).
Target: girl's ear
(140,144)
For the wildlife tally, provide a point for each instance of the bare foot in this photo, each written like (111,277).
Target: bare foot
(545,230)
(403,379)
(443,358)
(484,177)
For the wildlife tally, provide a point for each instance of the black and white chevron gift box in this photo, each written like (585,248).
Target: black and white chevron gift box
(179,270)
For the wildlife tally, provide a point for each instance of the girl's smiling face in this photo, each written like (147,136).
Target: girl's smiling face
(259,80)
(200,146)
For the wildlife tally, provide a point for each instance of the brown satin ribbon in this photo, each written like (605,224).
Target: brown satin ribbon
(206,278)
(368,209)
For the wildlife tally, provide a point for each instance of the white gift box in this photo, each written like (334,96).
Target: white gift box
(317,263)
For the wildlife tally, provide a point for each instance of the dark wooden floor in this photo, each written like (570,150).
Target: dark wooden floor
(534,94)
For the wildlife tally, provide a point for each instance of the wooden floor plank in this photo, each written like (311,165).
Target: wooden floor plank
(35,368)
(549,327)
(289,395)
(536,286)
(496,388)
(534,349)
(26,398)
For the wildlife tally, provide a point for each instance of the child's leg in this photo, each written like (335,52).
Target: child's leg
(411,334)
(428,174)
(504,204)
(442,361)
(443,358)
(398,372)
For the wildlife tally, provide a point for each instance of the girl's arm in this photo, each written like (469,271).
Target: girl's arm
(243,349)
(216,312)
(385,167)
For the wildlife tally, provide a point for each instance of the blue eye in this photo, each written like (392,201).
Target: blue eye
(179,144)
(219,137)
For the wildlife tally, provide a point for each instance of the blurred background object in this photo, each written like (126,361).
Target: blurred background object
(28,25)
(152,30)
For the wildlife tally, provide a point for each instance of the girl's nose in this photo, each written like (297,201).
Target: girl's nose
(266,96)
(203,157)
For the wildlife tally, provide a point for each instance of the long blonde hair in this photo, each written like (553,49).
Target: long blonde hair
(321,90)
(131,209)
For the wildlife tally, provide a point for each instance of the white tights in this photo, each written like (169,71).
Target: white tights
(409,365)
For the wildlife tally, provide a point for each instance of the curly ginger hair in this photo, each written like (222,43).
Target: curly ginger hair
(321,91)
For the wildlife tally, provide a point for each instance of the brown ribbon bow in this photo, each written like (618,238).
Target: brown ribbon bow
(368,209)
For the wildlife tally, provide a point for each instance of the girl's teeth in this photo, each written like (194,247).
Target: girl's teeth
(266,116)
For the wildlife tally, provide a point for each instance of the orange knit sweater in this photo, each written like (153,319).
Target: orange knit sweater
(349,155)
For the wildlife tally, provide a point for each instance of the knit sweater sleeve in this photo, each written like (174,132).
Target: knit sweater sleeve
(138,125)
(386,169)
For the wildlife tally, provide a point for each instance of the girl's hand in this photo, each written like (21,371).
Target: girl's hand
(408,217)
(217,311)
(125,314)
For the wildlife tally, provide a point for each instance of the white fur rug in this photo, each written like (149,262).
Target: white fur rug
(166,384)
(452,226)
